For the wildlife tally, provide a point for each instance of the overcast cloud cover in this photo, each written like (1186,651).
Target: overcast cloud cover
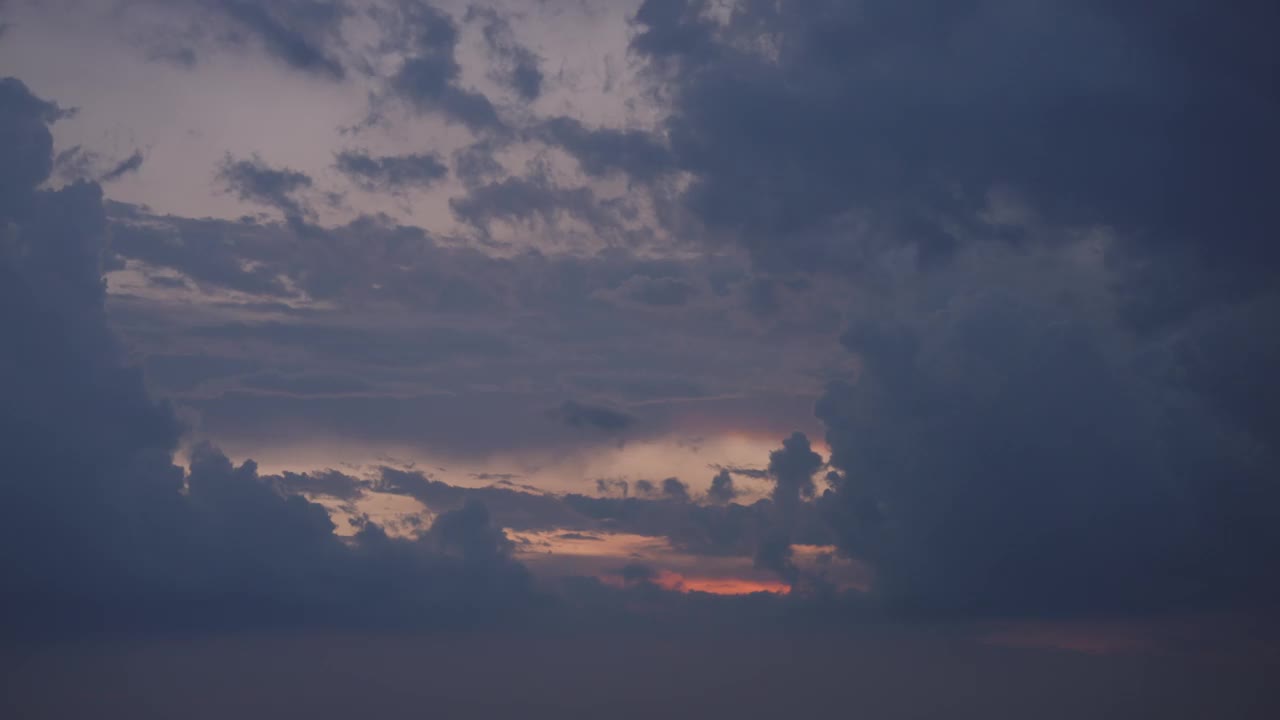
(926,348)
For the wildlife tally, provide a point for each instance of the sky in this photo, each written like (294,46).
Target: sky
(914,344)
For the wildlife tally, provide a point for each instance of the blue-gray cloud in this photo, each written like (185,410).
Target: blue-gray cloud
(131,164)
(301,33)
(391,173)
(254,181)
(513,64)
(428,78)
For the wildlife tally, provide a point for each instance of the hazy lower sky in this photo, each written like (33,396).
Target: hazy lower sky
(941,326)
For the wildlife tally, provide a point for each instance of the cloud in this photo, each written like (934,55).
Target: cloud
(106,532)
(792,469)
(722,490)
(1019,450)
(514,65)
(299,32)
(524,199)
(390,173)
(819,134)
(130,164)
(428,77)
(254,181)
(602,151)
(24,120)
(581,415)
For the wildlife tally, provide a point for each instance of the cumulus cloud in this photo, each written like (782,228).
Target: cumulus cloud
(106,531)
(818,133)
(1018,450)
(722,490)
(1042,421)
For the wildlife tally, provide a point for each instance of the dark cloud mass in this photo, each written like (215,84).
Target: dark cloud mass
(107,532)
(962,317)
(817,131)
(1044,205)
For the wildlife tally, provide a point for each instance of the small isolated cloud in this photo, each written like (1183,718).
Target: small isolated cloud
(254,181)
(130,164)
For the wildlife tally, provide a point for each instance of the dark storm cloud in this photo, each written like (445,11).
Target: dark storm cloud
(1005,455)
(514,65)
(429,75)
(24,132)
(299,32)
(582,415)
(254,181)
(391,173)
(817,131)
(106,532)
(1007,449)
(792,469)
(130,164)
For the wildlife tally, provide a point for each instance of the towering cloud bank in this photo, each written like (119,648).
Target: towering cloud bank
(104,530)
(1056,219)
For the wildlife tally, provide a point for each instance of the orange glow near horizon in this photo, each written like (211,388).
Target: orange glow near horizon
(676,582)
